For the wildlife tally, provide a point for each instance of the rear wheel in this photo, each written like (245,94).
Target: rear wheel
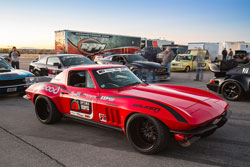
(232,91)
(46,110)
(147,134)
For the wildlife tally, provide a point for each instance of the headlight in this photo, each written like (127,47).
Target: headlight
(31,80)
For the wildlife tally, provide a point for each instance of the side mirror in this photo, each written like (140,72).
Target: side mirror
(57,64)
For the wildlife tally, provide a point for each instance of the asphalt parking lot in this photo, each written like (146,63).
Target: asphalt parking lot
(24,141)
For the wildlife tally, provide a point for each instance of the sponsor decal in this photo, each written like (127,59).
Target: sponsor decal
(103,71)
(50,89)
(107,98)
(156,110)
(81,108)
(90,46)
(102,117)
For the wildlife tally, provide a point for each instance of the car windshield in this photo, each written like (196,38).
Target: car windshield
(131,58)
(188,57)
(110,78)
(73,60)
(4,65)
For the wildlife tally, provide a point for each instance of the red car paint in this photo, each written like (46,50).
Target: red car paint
(179,108)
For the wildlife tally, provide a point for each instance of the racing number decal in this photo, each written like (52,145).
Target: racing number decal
(245,70)
(81,108)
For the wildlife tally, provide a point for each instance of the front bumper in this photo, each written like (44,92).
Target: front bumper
(178,68)
(207,128)
(13,89)
(213,87)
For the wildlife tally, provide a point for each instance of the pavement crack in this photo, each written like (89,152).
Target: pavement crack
(33,146)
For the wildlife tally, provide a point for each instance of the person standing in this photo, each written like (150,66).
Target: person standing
(230,54)
(14,57)
(200,59)
(167,59)
(224,54)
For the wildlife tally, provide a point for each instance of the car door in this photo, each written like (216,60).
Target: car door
(194,63)
(54,66)
(80,98)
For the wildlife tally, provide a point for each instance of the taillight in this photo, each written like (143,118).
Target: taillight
(212,81)
(245,57)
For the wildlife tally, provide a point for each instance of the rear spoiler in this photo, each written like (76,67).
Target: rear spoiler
(216,70)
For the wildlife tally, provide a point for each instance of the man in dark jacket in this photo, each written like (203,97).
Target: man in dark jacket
(167,59)
(14,57)
(230,54)
(224,54)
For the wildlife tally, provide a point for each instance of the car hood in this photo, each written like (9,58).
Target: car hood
(147,64)
(181,61)
(14,74)
(191,102)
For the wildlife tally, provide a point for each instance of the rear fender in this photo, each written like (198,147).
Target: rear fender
(242,81)
(50,90)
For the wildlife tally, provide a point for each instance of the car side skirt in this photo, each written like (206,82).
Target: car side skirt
(91,122)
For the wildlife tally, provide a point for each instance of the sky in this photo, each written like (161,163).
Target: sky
(31,23)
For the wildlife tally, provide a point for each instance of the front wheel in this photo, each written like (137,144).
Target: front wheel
(46,110)
(187,69)
(232,91)
(37,73)
(146,134)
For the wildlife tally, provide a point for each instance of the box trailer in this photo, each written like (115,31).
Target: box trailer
(90,43)
(212,48)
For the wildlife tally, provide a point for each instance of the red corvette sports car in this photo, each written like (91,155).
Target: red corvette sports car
(112,96)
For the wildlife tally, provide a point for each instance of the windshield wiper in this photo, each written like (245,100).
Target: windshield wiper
(131,84)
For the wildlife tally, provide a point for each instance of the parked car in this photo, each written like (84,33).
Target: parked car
(142,68)
(101,56)
(112,96)
(241,56)
(54,64)
(12,80)
(149,53)
(186,62)
(175,50)
(232,84)
(5,57)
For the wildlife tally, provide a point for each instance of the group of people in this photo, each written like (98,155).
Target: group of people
(14,57)
(226,55)
(200,59)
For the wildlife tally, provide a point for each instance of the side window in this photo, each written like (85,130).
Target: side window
(115,58)
(52,60)
(42,61)
(80,79)
(119,59)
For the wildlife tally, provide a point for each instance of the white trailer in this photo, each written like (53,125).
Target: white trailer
(237,45)
(212,48)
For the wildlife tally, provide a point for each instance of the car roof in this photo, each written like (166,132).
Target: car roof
(61,55)
(93,67)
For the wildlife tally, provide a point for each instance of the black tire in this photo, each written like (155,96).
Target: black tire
(187,69)
(147,134)
(37,73)
(231,91)
(138,73)
(46,110)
